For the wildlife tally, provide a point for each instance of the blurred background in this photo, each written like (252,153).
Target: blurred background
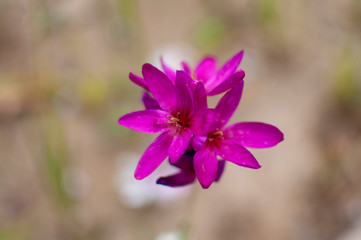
(66,167)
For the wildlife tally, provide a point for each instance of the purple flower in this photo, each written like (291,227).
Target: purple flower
(174,112)
(230,142)
(215,80)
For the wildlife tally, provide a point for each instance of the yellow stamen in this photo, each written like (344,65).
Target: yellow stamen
(173,119)
(215,135)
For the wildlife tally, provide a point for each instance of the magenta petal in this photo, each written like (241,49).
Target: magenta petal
(186,68)
(148,121)
(179,145)
(204,121)
(237,154)
(153,156)
(205,167)
(199,97)
(138,80)
(206,69)
(230,82)
(167,70)
(178,180)
(186,161)
(221,165)
(228,104)
(184,99)
(149,102)
(160,86)
(198,142)
(254,134)
(229,67)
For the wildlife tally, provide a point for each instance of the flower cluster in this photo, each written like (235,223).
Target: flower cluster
(194,136)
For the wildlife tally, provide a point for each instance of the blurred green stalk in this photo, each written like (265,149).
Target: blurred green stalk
(55,158)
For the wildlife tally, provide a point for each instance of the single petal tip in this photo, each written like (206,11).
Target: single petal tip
(138,176)
(173,160)
(242,73)
(206,186)
(280,136)
(147,66)
(161,181)
(120,121)
(255,165)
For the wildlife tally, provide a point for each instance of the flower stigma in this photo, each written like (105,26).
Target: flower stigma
(215,135)
(194,76)
(177,121)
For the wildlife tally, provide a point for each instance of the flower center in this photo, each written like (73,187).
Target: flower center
(215,135)
(177,122)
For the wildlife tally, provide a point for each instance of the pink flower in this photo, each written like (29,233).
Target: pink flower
(215,80)
(180,116)
(230,142)
(193,136)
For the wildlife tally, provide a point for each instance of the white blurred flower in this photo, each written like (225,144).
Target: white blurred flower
(174,235)
(173,55)
(354,232)
(137,193)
